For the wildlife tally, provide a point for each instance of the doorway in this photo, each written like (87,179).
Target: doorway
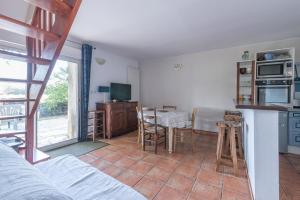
(58,112)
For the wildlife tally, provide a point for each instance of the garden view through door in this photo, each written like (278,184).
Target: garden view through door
(57,116)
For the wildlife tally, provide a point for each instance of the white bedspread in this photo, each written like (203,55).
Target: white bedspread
(84,182)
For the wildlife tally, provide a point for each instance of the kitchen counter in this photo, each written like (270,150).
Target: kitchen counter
(261,148)
(245,105)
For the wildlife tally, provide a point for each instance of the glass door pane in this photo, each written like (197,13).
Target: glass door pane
(57,117)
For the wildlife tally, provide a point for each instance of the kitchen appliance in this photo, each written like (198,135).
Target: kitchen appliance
(282,69)
(296,102)
(283,131)
(294,128)
(274,91)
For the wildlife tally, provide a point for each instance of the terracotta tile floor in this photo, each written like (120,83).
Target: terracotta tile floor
(181,175)
(289,177)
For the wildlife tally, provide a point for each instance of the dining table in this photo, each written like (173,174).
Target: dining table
(170,120)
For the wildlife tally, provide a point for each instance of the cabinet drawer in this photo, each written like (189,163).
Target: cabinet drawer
(117,106)
(294,139)
(294,124)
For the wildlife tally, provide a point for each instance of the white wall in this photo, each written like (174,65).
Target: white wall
(208,79)
(115,69)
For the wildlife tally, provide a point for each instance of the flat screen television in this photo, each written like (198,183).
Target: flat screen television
(120,92)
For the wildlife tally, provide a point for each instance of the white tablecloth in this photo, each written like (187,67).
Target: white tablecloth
(174,119)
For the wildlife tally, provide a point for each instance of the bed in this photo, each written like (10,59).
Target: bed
(61,178)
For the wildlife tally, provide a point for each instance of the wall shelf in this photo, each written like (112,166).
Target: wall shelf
(245,82)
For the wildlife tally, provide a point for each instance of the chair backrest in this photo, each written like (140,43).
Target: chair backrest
(148,119)
(169,107)
(234,116)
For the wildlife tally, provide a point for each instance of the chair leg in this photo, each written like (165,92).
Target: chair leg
(220,147)
(233,151)
(139,134)
(192,142)
(165,138)
(144,142)
(239,140)
(174,140)
(227,142)
(155,143)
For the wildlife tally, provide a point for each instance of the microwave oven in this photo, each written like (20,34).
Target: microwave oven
(275,70)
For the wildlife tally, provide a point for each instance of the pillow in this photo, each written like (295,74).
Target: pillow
(20,180)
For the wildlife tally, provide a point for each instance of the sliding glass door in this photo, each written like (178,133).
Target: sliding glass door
(58,113)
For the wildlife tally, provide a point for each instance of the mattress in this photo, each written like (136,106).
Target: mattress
(84,182)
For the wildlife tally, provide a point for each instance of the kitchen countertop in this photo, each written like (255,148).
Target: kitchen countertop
(245,105)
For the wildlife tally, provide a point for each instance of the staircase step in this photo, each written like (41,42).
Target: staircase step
(12,117)
(15,100)
(12,133)
(25,29)
(20,81)
(54,6)
(25,58)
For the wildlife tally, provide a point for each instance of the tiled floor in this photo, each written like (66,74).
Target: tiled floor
(181,175)
(289,177)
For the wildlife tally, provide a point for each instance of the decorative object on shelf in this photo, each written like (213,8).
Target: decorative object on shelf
(243,70)
(268,56)
(249,70)
(246,55)
(100,61)
(105,90)
(178,67)
(275,55)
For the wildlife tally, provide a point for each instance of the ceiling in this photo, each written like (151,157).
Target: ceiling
(158,28)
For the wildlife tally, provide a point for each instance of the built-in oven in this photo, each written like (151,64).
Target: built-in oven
(282,69)
(274,91)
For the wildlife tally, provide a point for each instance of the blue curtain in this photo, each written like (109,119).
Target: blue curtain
(86,60)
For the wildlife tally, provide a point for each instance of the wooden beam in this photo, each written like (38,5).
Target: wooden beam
(12,117)
(25,58)
(25,29)
(20,81)
(12,134)
(54,6)
(15,100)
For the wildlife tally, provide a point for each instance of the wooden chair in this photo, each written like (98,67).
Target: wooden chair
(169,107)
(179,133)
(234,116)
(152,133)
(139,125)
(229,136)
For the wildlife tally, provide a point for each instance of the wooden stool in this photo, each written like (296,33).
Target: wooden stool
(232,132)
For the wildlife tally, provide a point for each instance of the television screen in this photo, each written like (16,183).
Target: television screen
(120,92)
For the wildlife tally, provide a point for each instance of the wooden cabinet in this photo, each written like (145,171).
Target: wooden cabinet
(245,91)
(121,117)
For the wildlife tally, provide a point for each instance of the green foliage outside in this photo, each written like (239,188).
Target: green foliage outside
(57,93)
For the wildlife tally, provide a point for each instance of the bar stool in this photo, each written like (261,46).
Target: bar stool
(229,131)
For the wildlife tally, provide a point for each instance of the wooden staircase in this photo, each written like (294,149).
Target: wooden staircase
(45,37)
